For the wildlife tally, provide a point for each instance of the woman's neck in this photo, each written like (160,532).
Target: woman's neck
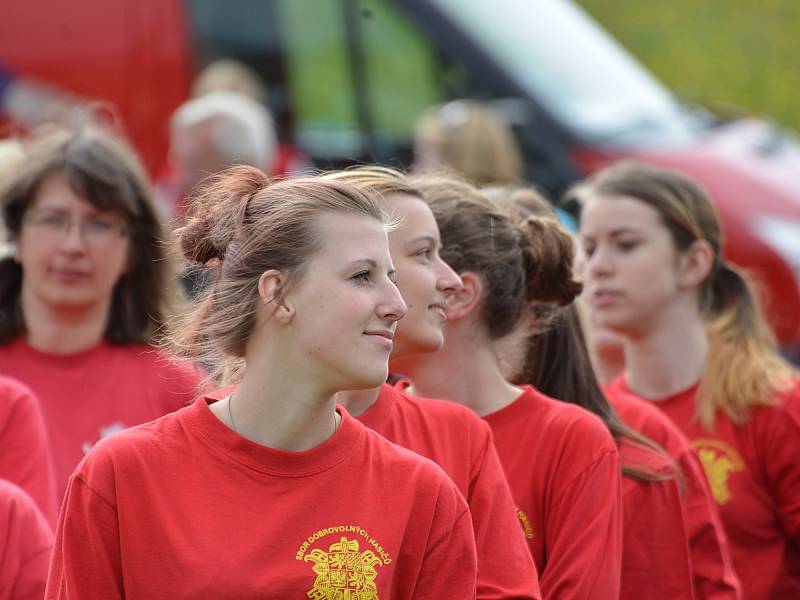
(357,402)
(63,331)
(465,370)
(668,358)
(280,403)
(293,419)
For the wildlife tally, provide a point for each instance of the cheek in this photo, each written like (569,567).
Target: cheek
(113,264)
(32,256)
(408,288)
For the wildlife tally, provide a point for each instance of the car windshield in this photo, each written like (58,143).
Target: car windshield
(578,73)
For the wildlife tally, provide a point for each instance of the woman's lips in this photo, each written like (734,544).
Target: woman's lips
(603,298)
(384,337)
(70,274)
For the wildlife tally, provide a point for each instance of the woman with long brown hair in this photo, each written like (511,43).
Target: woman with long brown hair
(697,346)
(561,462)
(555,359)
(87,292)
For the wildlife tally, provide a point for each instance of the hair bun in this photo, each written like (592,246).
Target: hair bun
(217,208)
(549,253)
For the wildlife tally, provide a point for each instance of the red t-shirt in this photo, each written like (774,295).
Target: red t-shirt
(562,465)
(24,453)
(754,473)
(184,507)
(712,566)
(655,558)
(91,394)
(25,543)
(457,440)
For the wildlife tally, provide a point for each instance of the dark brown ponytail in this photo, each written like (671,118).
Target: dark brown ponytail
(522,266)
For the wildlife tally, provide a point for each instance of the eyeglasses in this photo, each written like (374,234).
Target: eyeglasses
(96,231)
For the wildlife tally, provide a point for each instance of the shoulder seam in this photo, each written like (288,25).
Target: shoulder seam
(95,492)
(446,535)
(588,467)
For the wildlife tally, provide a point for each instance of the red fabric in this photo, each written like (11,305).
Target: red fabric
(655,557)
(183,507)
(24,453)
(754,473)
(712,566)
(457,440)
(289,161)
(25,543)
(92,394)
(562,465)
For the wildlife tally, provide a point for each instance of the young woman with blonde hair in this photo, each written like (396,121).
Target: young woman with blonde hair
(449,434)
(273,491)
(555,359)
(697,347)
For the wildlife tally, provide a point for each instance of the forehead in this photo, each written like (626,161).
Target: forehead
(56,193)
(603,215)
(348,237)
(416,218)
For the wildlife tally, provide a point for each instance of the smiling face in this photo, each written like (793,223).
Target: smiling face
(75,266)
(346,303)
(632,265)
(424,279)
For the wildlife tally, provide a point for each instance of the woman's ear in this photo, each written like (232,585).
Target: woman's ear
(271,286)
(695,264)
(462,302)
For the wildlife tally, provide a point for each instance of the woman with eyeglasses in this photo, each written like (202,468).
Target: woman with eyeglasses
(85,292)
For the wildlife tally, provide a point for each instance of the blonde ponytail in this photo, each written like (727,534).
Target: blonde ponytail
(743,369)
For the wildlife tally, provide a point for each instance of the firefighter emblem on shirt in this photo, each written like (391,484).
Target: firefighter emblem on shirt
(720,461)
(346,569)
(344,572)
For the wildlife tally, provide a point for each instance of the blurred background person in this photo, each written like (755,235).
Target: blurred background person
(477,144)
(25,545)
(10,156)
(470,139)
(553,357)
(86,292)
(227,74)
(697,346)
(25,458)
(209,134)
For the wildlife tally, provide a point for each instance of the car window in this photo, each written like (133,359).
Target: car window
(572,67)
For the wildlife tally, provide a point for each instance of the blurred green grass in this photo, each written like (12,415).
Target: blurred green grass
(733,56)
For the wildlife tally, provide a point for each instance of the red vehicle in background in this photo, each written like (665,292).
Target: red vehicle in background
(347,78)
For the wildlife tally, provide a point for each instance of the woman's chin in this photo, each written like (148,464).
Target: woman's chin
(371,378)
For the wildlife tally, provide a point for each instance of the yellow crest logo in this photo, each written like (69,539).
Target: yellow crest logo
(345,571)
(720,461)
(525,523)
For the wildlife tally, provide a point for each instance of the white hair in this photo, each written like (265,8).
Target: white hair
(243,129)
